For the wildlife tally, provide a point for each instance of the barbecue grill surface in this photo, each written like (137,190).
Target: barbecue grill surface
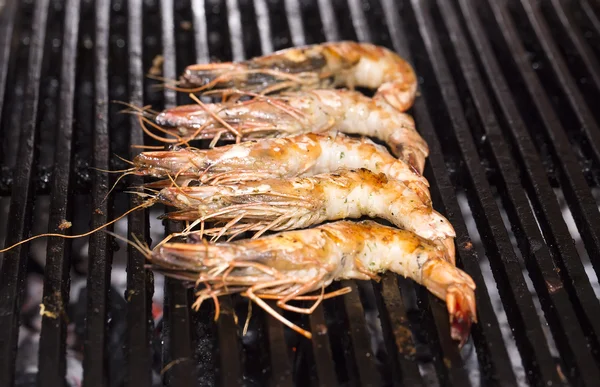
(508,104)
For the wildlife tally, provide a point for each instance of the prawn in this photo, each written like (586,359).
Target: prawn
(291,264)
(325,65)
(301,155)
(289,114)
(284,204)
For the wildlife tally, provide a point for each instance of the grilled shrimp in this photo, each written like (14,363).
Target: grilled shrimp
(317,66)
(301,155)
(287,265)
(300,112)
(284,204)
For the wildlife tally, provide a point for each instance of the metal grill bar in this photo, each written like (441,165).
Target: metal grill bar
(322,349)
(573,182)
(518,303)
(264,23)
(561,71)
(100,255)
(571,28)
(554,299)
(56,280)
(139,280)
(472,59)
(536,183)
(295,22)
(590,13)
(281,367)
(394,323)
(7,21)
(330,27)
(230,364)
(363,355)
(14,261)
(177,352)
(488,339)
(235,30)
(450,363)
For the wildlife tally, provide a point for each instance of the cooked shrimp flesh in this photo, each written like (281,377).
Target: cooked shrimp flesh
(326,65)
(315,111)
(284,204)
(301,155)
(288,265)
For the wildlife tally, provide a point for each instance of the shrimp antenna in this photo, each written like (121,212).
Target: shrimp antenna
(140,246)
(145,120)
(132,109)
(117,182)
(247,323)
(162,79)
(109,171)
(143,205)
(124,160)
(216,117)
(267,308)
(153,147)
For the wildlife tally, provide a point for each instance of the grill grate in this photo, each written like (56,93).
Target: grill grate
(507,108)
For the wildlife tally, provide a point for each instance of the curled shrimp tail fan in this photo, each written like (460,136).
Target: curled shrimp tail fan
(461,306)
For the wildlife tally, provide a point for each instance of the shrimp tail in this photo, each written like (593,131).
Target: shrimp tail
(458,290)
(461,307)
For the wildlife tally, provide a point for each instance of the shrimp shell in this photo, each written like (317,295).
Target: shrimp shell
(302,155)
(326,65)
(315,111)
(290,264)
(284,204)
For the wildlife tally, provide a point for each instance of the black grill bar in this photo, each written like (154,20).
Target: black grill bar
(294,19)
(394,323)
(488,339)
(590,13)
(519,307)
(100,255)
(234,21)
(262,20)
(322,349)
(281,367)
(177,360)
(139,280)
(330,28)
(536,183)
(571,29)
(565,79)
(56,281)
(588,223)
(230,363)
(7,21)
(363,355)
(575,188)
(14,261)
(448,349)
(510,136)
(230,366)
(554,298)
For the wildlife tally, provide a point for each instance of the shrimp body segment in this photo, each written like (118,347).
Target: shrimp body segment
(326,65)
(289,114)
(290,264)
(301,155)
(284,204)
